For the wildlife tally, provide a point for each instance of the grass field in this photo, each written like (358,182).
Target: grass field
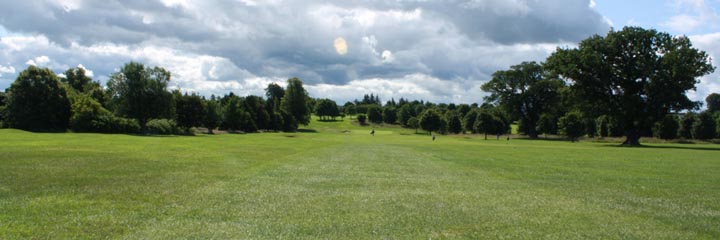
(337,181)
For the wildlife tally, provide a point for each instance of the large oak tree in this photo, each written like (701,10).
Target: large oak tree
(635,75)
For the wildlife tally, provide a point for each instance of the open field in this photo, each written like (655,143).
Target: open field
(338,182)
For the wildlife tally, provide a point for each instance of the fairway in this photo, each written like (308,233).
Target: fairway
(335,181)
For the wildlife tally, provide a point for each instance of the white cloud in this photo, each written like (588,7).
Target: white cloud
(692,15)
(8,69)
(414,86)
(88,72)
(38,61)
(67,5)
(387,56)
(709,43)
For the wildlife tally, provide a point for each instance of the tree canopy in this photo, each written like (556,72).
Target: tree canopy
(140,92)
(294,102)
(635,75)
(525,93)
(37,101)
(431,120)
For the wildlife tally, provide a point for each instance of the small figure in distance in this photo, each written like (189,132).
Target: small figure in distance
(433,137)
(372,132)
(508,137)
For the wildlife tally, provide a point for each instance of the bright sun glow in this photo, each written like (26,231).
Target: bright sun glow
(341,46)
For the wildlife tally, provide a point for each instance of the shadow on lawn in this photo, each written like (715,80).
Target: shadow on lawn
(307,130)
(682,147)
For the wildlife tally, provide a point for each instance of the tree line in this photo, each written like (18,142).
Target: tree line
(137,100)
(630,83)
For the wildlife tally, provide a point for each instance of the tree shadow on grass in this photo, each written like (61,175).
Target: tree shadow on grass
(680,147)
(307,130)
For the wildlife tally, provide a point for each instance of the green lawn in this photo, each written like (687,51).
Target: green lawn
(339,182)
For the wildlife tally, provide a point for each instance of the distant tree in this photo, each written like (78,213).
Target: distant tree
(414,123)
(547,124)
(326,109)
(713,102)
(571,125)
(76,78)
(634,75)
(404,114)
(469,120)
(290,124)
(686,125)
(704,128)
(389,114)
(247,124)
(255,107)
(374,114)
(213,116)
(189,111)
(232,114)
(361,119)
(667,128)
(524,93)
(141,93)
(463,109)
(294,102)
(431,120)
(486,123)
(349,108)
(3,104)
(276,121)
(37,101)
(274,94)
(454,122)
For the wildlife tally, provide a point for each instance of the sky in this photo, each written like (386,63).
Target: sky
(439,51)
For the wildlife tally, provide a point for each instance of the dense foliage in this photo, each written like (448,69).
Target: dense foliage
(634,75)
(38,101)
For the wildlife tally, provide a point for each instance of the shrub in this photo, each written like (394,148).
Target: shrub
(414,123)
(572,126)
(161,126)
(362,119)
(112,124)
(454,123)
(704,127)
(374,114)
(547,124)
(84,111)
(686,125)
(667,128)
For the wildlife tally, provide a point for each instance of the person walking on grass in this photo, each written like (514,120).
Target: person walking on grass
(372,132)
(433,137)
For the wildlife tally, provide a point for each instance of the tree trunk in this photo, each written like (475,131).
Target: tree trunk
(632,138)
